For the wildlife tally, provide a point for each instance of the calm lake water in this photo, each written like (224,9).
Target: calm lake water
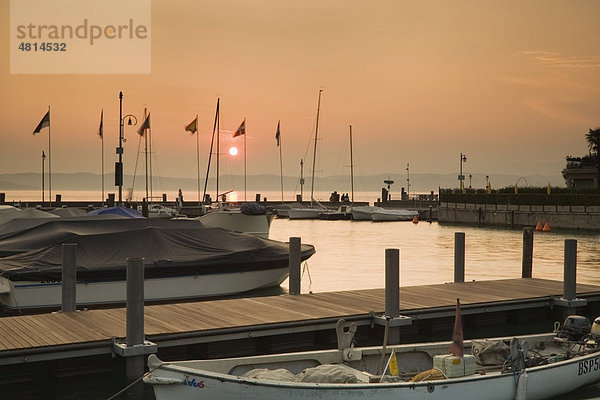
(351,255)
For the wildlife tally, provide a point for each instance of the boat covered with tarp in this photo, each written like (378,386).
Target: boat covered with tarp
(181,258)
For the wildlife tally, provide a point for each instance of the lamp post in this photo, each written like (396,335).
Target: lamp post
(470,177)
(119,164)
(461,177)
(487,181)
(408,180)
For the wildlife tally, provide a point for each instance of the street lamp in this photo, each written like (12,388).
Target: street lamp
(119,164)
(407,180)
(461,177)
(487,181)
(470,177)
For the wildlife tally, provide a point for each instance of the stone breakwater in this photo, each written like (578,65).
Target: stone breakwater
(514,215)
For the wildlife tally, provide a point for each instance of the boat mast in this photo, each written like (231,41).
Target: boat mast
(312,184)
(212,142)
(351,169)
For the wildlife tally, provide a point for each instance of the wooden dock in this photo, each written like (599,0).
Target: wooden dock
(32,338)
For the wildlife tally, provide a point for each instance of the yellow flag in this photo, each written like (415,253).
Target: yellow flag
(393,364)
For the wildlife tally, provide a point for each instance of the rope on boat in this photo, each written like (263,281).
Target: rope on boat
(131,384)
(305,268)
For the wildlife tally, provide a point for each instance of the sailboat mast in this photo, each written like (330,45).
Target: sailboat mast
(212,142)
(312,184)
(351,169)
(218,146)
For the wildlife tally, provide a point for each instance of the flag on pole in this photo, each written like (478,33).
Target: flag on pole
(192,126)
(456,347)
(241,130)
(45,122)
(278,134)
(101,128)
(145,125)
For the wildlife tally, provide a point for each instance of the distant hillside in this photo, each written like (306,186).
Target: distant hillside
(418,182)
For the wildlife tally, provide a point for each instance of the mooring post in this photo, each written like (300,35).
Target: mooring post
(570,272)
(527,252)
(69,277)
(392,292)
(295,261)
(459,257)
(134,365)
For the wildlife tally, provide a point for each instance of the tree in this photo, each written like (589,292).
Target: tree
(593,140)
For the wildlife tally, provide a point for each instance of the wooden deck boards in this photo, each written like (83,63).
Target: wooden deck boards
(57,329)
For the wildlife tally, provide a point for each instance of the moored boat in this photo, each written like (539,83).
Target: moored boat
(532,367)
(393,215)
(249,218)
(363,213)
(182,260)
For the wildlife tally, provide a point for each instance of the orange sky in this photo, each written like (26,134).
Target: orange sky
(515,85)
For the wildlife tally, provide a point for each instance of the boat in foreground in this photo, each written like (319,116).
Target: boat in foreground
(532,367)
(183,259)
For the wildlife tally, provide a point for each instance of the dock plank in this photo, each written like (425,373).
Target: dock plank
(24,332)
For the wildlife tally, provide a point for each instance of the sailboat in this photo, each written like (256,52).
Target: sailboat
(249,218)
(315,209)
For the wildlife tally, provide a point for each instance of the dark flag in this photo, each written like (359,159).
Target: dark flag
(456,347)
(241,130)
(145,125)
(192,126)
(101,129)
(45,122)
(278,134)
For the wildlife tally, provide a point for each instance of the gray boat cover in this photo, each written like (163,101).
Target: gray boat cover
(32,250)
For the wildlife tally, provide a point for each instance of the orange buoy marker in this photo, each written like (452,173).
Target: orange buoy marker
(539,227)
(546,227)
(415,220)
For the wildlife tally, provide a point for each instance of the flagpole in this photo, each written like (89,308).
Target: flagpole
(244,159)
(49,162)
(146,152)
(280,159)
(102,145)
(43,162)
(198,159)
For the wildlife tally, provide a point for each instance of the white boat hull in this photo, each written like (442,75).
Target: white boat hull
(186,381)
(363,213)
(22,295)
(394,215)
(235,220)
(305,213)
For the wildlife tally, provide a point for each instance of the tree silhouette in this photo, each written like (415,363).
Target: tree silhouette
(593,140)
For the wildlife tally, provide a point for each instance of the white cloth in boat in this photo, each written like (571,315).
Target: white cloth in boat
(326,373)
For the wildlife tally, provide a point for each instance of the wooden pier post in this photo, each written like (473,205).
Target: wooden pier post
(527,252)
(69,277)
(392,293)
(295,261)
(134,365)
(459,257)
(570,271)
